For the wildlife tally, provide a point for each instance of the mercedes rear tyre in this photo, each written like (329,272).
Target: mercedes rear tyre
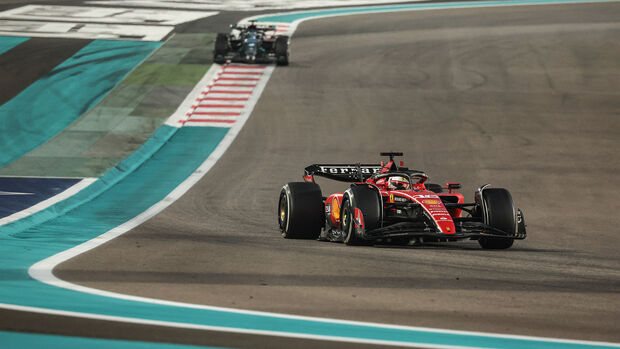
(221,48)
(281,50)
(498,212)
(300,211)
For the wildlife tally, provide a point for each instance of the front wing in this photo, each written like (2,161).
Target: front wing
(465,229)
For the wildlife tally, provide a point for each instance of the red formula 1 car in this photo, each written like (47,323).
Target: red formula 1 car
(390,203)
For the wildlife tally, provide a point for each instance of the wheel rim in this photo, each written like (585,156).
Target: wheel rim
(346,219)
(282,211)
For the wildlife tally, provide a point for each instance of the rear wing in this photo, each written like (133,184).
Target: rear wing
(342,172)
(258,26)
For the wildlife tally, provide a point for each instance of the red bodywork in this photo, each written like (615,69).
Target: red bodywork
(430,201)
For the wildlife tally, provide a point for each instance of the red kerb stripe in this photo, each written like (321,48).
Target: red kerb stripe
(212,120)
(247,66)
(231,92)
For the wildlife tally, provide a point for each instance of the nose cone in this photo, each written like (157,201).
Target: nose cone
(250,50)
(433,205)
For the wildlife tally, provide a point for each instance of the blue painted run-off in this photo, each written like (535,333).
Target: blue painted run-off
(20,193)
(53,102)
(8,42)
(131,188)
(16,340)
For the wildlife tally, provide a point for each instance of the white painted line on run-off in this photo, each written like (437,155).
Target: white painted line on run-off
(72,190)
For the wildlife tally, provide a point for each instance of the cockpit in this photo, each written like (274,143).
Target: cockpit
(409,180)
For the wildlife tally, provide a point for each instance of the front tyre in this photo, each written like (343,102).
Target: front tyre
(300,211)
(499,212)
(348,224)
(281,50)
(367,200)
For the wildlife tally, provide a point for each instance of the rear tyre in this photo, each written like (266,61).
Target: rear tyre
(300,211)
(500,214)
(281,50)
(221,48)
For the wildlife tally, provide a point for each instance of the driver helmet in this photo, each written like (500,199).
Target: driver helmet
(398,183)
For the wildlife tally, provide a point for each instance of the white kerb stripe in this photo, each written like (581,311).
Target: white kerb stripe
(218,110)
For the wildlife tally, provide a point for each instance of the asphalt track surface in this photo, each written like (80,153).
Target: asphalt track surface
(525,98)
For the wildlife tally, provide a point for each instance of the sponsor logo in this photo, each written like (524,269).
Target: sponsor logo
(439,213)
(391,198)
(398,198)
(431,201)
(349,169)
(426,197)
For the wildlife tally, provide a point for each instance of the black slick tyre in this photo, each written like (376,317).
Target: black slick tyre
(281,50)
(221,48)
(300,211)
(499,212)
(347,224)
(368,200)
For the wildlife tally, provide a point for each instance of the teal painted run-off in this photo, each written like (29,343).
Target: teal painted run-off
(8,42)
(52,103)
(18,340)
(141,181)
(295,16)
